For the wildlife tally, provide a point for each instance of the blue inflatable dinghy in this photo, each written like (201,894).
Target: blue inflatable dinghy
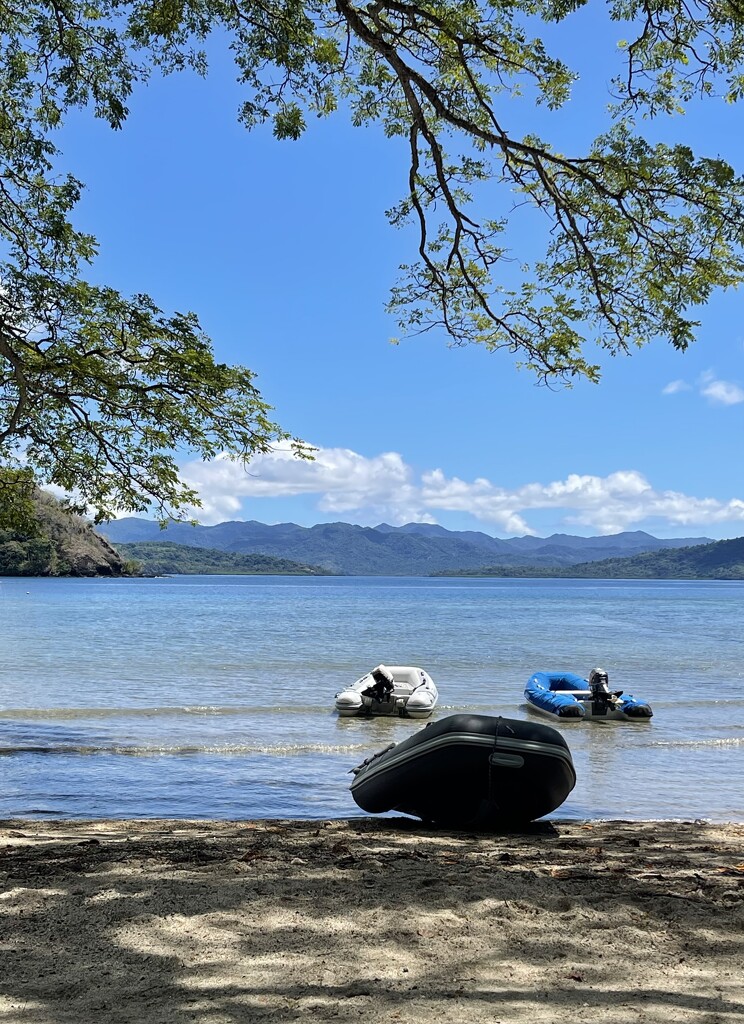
(567,695)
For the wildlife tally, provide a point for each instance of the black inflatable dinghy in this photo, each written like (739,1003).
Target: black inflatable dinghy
(469,771)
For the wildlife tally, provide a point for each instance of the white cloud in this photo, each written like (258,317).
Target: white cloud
(711,387)
(723,392)
(344,481)
(385,488)
(674,387)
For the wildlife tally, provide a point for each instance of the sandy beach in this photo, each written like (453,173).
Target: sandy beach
(168,922)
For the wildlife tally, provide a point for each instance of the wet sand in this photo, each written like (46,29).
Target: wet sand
(168,922)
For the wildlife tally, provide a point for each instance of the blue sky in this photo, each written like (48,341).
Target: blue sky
(284,251)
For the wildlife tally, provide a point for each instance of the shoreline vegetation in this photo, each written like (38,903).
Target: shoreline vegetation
(164,558)
(55,542)
(380,919)
(720,560)
(61,543)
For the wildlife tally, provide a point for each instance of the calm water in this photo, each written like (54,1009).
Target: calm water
(212,696)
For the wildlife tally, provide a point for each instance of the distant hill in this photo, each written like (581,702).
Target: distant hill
(417,549)
(719,560)
(62,544)
(166,558)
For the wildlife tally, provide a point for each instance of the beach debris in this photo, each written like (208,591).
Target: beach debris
(562,873)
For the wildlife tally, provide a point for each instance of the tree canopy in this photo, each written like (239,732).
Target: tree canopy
(97,390)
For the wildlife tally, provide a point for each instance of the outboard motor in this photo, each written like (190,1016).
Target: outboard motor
(602,696)
(599,683)
(382,684)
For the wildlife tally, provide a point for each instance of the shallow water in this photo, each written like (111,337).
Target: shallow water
(212,696)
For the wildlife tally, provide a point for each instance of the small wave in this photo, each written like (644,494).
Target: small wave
(702,702)
(179,750)
(67,714)
(478,709)
(732,741)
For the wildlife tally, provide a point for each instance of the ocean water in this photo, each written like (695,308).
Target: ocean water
(212,696)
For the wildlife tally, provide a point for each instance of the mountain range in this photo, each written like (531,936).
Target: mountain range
(411,550)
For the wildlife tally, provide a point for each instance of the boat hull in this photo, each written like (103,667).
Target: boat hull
(470,771)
